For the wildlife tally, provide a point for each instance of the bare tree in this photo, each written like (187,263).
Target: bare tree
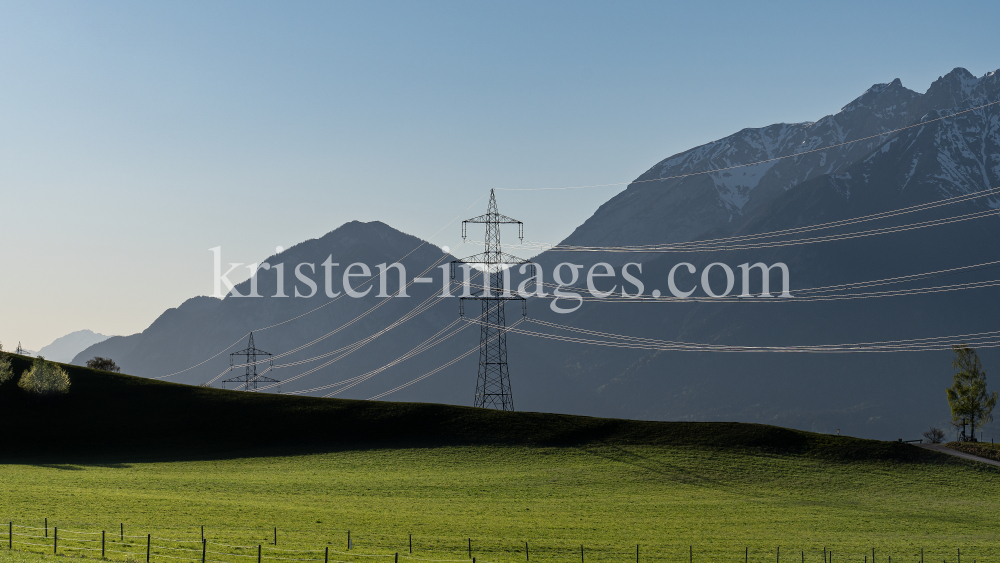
(934,435)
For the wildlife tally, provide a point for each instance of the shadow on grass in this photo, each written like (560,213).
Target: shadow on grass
(647,463)
(81,467)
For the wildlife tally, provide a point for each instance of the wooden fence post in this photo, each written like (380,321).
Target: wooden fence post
(778,556)
(202,550)
(581,553)
(46,527)
(123,530)
(148,543)
(258,553)
(348,539)
(55,541)
(690,554)
(326,556)
(397,557)
(275,535)
(10,536)
(636,553)
(527,556)
(102,544)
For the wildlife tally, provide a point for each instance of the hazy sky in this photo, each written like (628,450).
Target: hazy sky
(134,136)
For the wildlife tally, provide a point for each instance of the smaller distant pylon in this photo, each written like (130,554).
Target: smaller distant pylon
(249,379)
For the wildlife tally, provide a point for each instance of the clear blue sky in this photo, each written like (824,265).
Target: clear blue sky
(136,135)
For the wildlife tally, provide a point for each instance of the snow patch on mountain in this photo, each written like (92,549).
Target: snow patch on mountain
(734,185)
(718,185)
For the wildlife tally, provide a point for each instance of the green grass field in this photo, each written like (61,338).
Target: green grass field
(166,459)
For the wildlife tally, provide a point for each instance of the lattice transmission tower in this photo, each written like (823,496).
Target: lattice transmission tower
(250,378)
(20,350)
(493,382)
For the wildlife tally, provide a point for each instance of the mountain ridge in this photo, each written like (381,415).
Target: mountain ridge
(683,209)
(867,395)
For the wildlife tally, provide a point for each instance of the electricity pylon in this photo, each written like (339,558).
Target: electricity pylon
(493,383)
(250,378)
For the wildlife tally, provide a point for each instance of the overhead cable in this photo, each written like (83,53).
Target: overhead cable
(755,163)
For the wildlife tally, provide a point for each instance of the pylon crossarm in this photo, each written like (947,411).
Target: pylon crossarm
(494,218)
(492,259)
(246,351)
(477,296)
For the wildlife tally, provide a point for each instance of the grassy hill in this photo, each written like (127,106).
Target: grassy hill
(108,414)
(165,459)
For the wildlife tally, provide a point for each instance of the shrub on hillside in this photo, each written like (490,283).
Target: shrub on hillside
(44,378)
(5,370)
(934,435)
(106,364)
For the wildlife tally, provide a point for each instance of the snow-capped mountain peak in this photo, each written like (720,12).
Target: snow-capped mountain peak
(682,206)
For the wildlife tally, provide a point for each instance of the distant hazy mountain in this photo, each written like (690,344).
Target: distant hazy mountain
(65,348)
(876,395)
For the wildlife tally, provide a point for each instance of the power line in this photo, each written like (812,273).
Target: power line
(820,239)
(989,339)
(793,155)
(439,368)
(710,244)
(351,348)
(369,280)
(791,242)
(426,345)
(325,336)
(434,340)
(758,298)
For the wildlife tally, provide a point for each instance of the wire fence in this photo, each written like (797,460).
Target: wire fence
(217,547)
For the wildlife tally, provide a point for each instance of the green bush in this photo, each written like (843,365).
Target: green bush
(44,378)
(5,370)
